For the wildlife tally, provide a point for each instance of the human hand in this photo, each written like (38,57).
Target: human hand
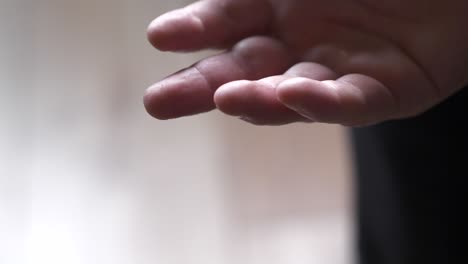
(350,62)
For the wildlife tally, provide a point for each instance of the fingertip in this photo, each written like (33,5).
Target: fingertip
(151,102)
(182,94)
(228,97)
(155,33)
(175,31)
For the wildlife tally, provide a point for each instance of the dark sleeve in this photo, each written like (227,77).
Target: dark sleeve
(409,184)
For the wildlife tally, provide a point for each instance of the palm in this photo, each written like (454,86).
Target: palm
(338,61)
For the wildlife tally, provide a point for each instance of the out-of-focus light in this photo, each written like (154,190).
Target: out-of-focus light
(51,244)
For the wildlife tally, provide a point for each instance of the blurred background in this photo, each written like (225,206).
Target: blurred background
(86,176)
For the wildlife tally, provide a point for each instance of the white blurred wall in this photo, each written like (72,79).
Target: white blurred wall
(86,176)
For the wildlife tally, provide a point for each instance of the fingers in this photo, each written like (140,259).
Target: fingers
(306,92)
(191,91)
(352,100)
(257,102)
(208,24)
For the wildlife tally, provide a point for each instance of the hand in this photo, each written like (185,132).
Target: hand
(350,62)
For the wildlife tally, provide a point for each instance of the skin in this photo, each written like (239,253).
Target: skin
(349,62)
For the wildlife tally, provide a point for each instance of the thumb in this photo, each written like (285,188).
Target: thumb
(209,24)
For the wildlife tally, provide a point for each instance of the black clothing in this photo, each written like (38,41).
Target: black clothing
(409,181)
